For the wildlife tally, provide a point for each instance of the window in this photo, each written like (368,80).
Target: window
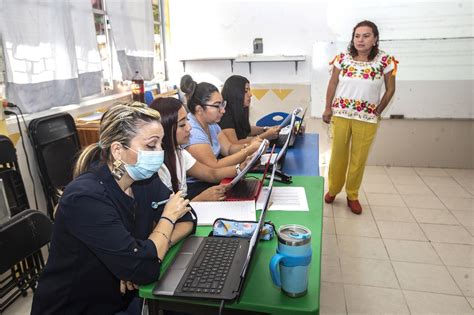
(105,44)
(2,70)
(159,60)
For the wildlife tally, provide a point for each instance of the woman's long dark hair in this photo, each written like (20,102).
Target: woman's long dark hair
(196,93)
(234,92)
(375,49)
(168,108)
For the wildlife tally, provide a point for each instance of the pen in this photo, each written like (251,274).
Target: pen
(156,204)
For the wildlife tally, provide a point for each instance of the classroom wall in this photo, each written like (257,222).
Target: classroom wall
(211,28)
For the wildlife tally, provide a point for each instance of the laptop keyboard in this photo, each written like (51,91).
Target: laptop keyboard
(210,270)
(245,189)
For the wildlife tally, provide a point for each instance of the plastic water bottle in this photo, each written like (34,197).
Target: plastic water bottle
(138,88)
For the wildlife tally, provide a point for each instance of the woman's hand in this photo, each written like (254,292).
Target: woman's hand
(214,193)
(327,114)
(176,207)
(271,133)
(244,163)
(376,112)
(254,145)
(127,285)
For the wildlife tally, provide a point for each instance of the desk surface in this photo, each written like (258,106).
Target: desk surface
(259,293)
(303,157)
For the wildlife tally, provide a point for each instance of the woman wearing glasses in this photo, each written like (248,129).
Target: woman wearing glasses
(207,143)
(235,122)
(179,163)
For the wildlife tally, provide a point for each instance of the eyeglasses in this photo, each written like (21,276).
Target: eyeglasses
(218,105)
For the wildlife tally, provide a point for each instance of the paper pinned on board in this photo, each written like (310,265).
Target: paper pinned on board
(284,198)
(208,211)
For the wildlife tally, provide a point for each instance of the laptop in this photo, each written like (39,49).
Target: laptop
(241,188)
(212,267)
(289,130)
(278,159)
(5,213)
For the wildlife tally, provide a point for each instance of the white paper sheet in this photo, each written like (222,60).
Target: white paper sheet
(208,211)
(285,198)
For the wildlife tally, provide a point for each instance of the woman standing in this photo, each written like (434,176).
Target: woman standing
(109,232)
(178,162)
(354,106)
(235,122)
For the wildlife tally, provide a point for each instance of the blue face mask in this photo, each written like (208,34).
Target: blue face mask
(148,163)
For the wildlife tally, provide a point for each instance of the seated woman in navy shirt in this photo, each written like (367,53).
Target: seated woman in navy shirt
(110,232)
(235,122)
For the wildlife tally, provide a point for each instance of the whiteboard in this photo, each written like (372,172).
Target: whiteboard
(434,78)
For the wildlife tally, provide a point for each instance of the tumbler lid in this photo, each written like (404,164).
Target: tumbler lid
(294,235)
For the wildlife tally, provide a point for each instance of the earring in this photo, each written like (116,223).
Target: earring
(118,170)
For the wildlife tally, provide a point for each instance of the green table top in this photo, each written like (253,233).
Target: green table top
(259,293)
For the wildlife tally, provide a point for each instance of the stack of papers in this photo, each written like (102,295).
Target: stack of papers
(208,211)
(284,198)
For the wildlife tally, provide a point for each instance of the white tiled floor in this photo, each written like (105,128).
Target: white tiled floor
(410,252)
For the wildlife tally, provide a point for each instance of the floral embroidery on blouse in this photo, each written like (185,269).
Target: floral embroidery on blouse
(360,83)
(352,108)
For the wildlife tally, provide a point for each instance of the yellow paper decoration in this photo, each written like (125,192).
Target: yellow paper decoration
(282,93)
(259,93)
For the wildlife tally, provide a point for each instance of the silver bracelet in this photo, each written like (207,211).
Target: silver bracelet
(237,168)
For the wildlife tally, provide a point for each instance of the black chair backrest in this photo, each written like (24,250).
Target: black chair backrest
(8,158)
(56,145)
(23,235)
(11,176)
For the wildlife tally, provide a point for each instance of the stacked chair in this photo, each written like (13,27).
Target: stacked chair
(22,236)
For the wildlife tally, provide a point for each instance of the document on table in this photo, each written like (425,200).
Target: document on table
(208,211)
(284,198)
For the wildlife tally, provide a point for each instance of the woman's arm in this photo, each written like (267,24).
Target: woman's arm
(181,230)
(232,136)
(389,91)
(209,174)
(331,91)
(255,130)
(203,153)
(227,147)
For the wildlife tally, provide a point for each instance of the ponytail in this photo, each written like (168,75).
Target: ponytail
(90,154)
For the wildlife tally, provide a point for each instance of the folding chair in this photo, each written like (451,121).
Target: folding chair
(56,144)
(22,237)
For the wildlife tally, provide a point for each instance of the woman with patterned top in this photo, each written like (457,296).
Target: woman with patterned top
(354,107)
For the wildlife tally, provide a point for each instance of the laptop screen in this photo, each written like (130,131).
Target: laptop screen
(256,234)
(287,141)
(256,156)
(300,123)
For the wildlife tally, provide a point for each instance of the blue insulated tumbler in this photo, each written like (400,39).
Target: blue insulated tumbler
(289,266)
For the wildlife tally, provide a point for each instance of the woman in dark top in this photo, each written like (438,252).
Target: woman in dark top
(235,121)
(110,234)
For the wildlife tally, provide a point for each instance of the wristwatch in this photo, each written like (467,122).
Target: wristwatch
(237,168)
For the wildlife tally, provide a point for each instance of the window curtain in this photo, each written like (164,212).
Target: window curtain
(50,52)
(132,31)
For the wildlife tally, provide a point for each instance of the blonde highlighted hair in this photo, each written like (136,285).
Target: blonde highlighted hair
(119,123)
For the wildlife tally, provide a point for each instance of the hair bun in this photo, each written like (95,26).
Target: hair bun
(187,85)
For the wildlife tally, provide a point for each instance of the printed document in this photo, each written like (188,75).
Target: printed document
(284,198)
(208,211)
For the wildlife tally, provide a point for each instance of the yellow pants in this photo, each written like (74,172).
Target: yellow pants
(350,145)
